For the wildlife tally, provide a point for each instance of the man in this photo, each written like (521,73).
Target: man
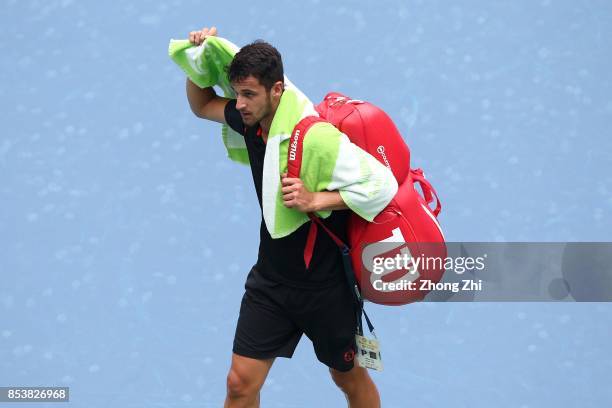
(284,299)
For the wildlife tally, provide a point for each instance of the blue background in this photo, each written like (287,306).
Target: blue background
(126,235)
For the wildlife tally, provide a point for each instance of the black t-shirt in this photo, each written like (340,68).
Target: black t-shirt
(282,259)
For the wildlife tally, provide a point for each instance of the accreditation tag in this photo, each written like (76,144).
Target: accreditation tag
(368,353)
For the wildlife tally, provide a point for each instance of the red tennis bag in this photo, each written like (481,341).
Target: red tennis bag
(405,231)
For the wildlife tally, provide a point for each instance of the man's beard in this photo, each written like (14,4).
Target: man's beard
(267,111)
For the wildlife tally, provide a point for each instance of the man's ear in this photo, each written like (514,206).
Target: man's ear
(277,89)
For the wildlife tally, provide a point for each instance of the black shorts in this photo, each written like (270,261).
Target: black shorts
(273,317)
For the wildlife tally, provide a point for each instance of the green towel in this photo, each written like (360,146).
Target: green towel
(329,162)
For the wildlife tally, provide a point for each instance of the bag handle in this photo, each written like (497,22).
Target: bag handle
(428,191)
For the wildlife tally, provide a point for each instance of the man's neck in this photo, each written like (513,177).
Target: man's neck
(265,124)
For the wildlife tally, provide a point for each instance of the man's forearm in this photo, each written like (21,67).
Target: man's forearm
(328,200)
(198,97)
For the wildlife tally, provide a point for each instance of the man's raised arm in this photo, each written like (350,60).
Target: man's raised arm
(204,102)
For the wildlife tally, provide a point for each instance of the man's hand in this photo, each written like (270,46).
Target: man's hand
(198,37)
(295,195)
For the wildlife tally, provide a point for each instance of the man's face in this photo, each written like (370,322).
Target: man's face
(252,100)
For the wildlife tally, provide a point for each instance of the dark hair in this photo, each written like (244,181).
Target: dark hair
(260,60)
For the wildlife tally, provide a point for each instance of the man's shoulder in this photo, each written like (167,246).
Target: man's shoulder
(321,137)
(322,132)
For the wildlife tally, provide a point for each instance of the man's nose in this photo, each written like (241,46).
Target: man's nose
(240,103)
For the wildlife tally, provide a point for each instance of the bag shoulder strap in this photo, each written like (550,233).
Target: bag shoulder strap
(294,165)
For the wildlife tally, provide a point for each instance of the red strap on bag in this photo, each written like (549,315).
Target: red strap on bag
(294,164)
(312,237)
